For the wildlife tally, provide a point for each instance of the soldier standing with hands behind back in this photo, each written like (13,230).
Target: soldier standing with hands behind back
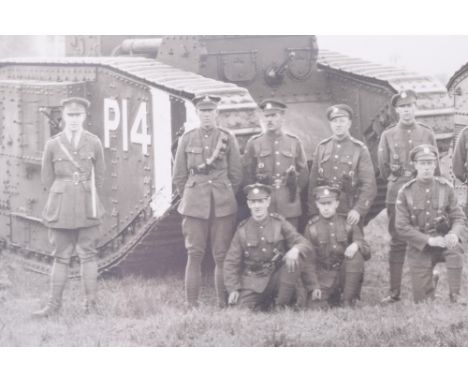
(395,166)
(343,162)
(73,171)
(207,174)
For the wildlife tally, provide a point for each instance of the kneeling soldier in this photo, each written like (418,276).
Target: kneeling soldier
(429,219)
(339,251)
(262,265)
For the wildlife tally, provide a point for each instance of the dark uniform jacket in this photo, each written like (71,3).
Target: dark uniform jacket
(220,184)
(330,238)
(267,159)
(248,262)
(348,166)
(460,156)
(70,201)
(393,155)
(419,205)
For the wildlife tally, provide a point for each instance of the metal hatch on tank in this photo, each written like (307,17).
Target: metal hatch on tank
(140,103)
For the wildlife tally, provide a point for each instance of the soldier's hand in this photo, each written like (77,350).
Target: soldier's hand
(437,241)
(233,297)
(353,217)
(292,259)
(451,240)
(316,294)
(351,250)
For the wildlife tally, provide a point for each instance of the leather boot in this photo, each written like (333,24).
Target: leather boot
(89,274)
(352,287)
(58,281)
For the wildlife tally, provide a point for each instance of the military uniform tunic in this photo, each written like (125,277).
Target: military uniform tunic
(460,160)
(344,162)
(198,190)
(267,159)
(336,273)
(395,166)
(248,267)
(393,155)
(70,204)
(419,205)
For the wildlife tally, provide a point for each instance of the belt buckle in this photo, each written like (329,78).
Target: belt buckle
(76,177)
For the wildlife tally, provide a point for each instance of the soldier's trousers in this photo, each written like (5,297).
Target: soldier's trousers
(67,242)
(197,232)
(341,285)
(422,264)
(278,292)
(396,255)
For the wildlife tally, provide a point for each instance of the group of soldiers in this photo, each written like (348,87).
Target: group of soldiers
(265,261)
(262,262)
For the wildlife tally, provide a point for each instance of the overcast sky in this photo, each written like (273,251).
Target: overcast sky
(435,55)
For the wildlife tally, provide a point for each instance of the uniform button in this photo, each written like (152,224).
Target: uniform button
(339,146)
(428,201)
(210,181)
(278,174)
(427,190)
(334,246)
(335,168)
(334,177)
(206,136)
(428,213)
(277,152)
(331,223)
(276,142)
(277,163)
(263,249)
(410,141)
(333,234)
(262,238)
(207,147)
(261,227)
(336,156)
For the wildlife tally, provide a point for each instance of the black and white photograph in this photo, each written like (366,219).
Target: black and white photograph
(240,190)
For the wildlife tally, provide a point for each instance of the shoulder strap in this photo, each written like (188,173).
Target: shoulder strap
(441,198)
(69,156)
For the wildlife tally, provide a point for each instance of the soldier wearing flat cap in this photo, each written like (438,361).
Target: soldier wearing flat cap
(460,160)
(73,171)
(339,252)
(207,174)
(432,224)
(264,260)
(277,158)
(343,162)
(397,168)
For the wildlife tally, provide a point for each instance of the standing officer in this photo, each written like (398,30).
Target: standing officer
(429,219)
(339,250)
(395,166)
(460,160)
(277,158)
(254,271)
(207,174)
(343,162)
(73,171)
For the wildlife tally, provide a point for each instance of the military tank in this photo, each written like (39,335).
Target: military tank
(140,92)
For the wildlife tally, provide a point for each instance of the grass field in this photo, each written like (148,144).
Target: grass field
(150,312)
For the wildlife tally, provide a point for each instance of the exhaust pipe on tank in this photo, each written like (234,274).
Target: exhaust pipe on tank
(147,47)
